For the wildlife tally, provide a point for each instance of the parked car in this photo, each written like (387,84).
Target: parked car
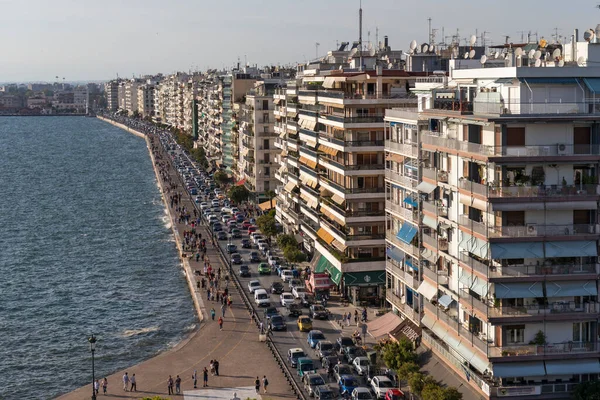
(314,337)
(254,257)
(380,384)
(347,384)
(236,258)
(341,369)
(394,394)
(304,324)
(294,354)
(276,288)
(222,235)
(305,366)
(253,285)
(351,352)
(361,393)
(324,348)
(317,311)
(311,381)
(244,271)
(231,248)
(361,365)
(277,323)
(286,298)
(269,312)
(264,269)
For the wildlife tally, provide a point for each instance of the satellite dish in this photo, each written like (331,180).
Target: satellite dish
(416,50)
(372,52)
(556,53)
(519,52)
(537,55)
(472,54)
(561,63)
(473,40)
(455,52)
(497,54)
(483,59)
(390,66)
(370,46)
(538,62)
(425,48)
(466,56)
(353,51)
(341,68)
(413,45)
(581,61)
(432,48)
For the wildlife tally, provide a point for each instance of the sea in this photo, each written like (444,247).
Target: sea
(86,248)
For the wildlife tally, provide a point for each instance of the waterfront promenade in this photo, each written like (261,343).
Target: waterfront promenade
(241,356)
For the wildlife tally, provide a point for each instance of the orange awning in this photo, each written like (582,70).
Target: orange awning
(326,236)
(267,205)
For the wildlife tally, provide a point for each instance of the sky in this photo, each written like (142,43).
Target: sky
(84,40)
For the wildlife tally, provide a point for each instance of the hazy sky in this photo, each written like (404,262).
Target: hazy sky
(84,39)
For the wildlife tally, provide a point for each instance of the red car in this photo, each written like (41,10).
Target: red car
(394,394)
(246,225)
(251,229)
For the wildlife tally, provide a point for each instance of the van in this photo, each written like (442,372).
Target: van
(262,298)
(305,366)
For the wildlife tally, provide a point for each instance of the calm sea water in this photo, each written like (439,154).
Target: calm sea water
(85,247)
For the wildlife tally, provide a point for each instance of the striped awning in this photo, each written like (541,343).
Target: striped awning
(395,157)
(312,164)
(332,216)
(326,236)
(267,205)
(339,245)
(289,186)
(337,199)
(328,150)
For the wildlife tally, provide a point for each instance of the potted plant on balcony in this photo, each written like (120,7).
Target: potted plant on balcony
(539,340)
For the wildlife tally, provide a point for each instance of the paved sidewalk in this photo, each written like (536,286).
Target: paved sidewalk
(241,356)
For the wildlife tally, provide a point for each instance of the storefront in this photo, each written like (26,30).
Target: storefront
(365,288)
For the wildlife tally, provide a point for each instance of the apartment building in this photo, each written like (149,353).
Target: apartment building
(335,167)
(492,219)
(146,100)
(111,88)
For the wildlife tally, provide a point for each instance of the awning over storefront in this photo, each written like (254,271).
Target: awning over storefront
(518,369)
(517,290)
(326,236)
(407,330)
(570,367)
(427,289)
(430,221)
(571,288)
(395,254)
(426,187)
(334,274)
(407,233)
(367,278)
(517,250)
(321,265)
(383,325)
(267,205)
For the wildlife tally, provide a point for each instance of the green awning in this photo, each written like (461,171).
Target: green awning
(334,274)
(321,265)
(368,278)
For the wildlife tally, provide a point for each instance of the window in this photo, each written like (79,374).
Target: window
(265,104)
(267,171)
(515,334)
(266,118)
(266,144)
(515,136)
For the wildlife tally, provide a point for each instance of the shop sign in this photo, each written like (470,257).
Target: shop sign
(519,391)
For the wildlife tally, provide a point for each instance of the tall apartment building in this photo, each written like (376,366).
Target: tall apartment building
(146,100)
(337,151)
(111,88)
(492,220)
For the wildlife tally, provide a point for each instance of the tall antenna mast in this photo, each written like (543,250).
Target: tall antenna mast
(317,44)
(377,36)
(429,36)
(360,36)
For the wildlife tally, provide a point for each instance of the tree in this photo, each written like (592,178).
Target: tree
(397,353)
(452,393)
(406,369)
(270,195)
(293,255)
(221,178)
(239,194)
(432,391)
(587,391)
(284,241)
(416,381)
(266,224)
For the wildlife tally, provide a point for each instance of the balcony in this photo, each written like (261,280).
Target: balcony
(549,349)
(535,230)
(407,248)
(405,213)
(409,276)
(518,271)
(474,264)
(441,141)
(403,180)
(475,226)
(436,209)
(541,192)
(474,187)
(560,307)
(456,106)
(441,277)
(399,303)
(406,149)
(359,119)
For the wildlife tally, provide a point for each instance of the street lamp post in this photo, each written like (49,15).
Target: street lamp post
(92,340)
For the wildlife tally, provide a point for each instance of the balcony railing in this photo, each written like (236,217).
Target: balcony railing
(440,277)
(543,191)
(560,307)
(475,226)
(403,180)
(407,248)
(473,263)
(402,306)
(439,243)
(532,270)
(359,119)
(410,215)
(435,209)
(535,230)
(548,349)
(410,150)
(410,277)
(437,139)
(474,187)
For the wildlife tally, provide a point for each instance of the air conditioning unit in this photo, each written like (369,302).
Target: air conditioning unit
(561,149)
(531,229)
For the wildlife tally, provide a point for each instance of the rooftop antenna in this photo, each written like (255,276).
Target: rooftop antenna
(429,21)
(317,44)
(506,37)
(360,35)
(376,35)
(522,35)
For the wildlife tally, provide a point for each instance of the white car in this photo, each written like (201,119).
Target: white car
(262,298)
(295,282)
(257,237)
(380,384)
(204,206)
(286,298)
(253,285)
(215,203)
(361,365)
(273,261)
(286,275)
(361,393)
(299,291)
(263,246)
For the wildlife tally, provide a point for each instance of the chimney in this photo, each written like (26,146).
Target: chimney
(385,42)
(576,33)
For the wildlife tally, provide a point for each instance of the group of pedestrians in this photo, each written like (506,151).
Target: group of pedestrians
(257,383)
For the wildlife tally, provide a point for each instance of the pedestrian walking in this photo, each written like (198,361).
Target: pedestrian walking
(205,377)
(195,378)
(104,385)
(170,384)
(96,386)
(178,385)
(212,313)
(223,310)
(216,365)
(125,382)
(257,384)
(348,319)
(356,317)
(220,323)
(265,383)
(133,383)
